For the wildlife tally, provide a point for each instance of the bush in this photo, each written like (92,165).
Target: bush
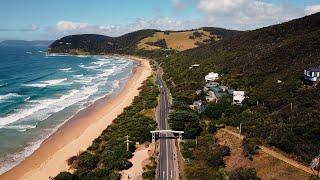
(212,127)
(215,160)
(213,111)
(186,121)
(250,146)
(244,174)
(71,160)
(65,176)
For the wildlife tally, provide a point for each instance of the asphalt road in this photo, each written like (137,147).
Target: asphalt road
(166,165)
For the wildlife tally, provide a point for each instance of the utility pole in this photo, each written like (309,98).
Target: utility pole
(196,140)
(127,141)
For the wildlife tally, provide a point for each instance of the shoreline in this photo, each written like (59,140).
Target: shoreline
(77,134)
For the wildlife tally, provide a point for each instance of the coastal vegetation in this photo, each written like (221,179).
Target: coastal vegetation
(108,153)
(283,114)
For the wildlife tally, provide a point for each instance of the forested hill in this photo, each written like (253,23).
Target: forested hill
(97,44)
(254,61)
(147,39)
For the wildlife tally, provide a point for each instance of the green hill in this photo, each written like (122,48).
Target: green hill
(254,61)
(147,39)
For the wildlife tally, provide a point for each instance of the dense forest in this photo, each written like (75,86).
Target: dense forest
(108,154)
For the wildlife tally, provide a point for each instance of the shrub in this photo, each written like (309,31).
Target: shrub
(212,127)
(65,176)
(250,146)
(244,174)
(186,121)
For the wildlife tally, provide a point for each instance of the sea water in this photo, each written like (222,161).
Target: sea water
(40,92)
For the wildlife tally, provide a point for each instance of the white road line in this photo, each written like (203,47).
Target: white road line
(167,157)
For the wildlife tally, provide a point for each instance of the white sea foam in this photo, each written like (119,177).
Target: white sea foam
(42,109)
(116,84)
(65,69)
(47,83)
(56,55)
(21,128)
(8,96)
(78,76)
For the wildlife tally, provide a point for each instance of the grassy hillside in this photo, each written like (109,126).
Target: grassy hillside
(147,39)
(179,41)
(253,61)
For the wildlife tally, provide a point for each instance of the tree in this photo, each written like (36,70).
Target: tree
(213,111)
(186,121)
(212,127)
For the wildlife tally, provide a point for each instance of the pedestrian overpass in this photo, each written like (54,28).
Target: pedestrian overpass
(166,132)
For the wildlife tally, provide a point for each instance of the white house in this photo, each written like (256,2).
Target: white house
(312,76)
(238,97)
(211,77)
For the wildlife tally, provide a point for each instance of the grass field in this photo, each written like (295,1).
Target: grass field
(179,41)
(267,166)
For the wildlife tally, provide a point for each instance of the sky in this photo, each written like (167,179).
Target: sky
(52,19)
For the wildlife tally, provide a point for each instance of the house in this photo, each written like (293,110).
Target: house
(224,88)
(198,106)
(211,77)
(198,92)
(194,66)
(312,76)
(238,97)
(211,96)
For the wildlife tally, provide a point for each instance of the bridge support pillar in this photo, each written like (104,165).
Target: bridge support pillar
(153,137)
(180,136)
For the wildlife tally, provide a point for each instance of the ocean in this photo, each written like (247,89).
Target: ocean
(39,92)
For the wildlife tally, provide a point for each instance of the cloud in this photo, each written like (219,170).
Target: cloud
(28,29)
(64,27)
(70,26)
(230,14)
(312,9)
(246,14)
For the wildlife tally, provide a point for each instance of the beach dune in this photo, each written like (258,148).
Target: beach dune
(77,134)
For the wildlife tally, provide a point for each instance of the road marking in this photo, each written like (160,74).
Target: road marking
(171,174)
(163,174)
(167,157)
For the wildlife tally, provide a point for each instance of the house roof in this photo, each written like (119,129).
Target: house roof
(313,69)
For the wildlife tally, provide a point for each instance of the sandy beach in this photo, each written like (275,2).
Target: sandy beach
(77,134)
